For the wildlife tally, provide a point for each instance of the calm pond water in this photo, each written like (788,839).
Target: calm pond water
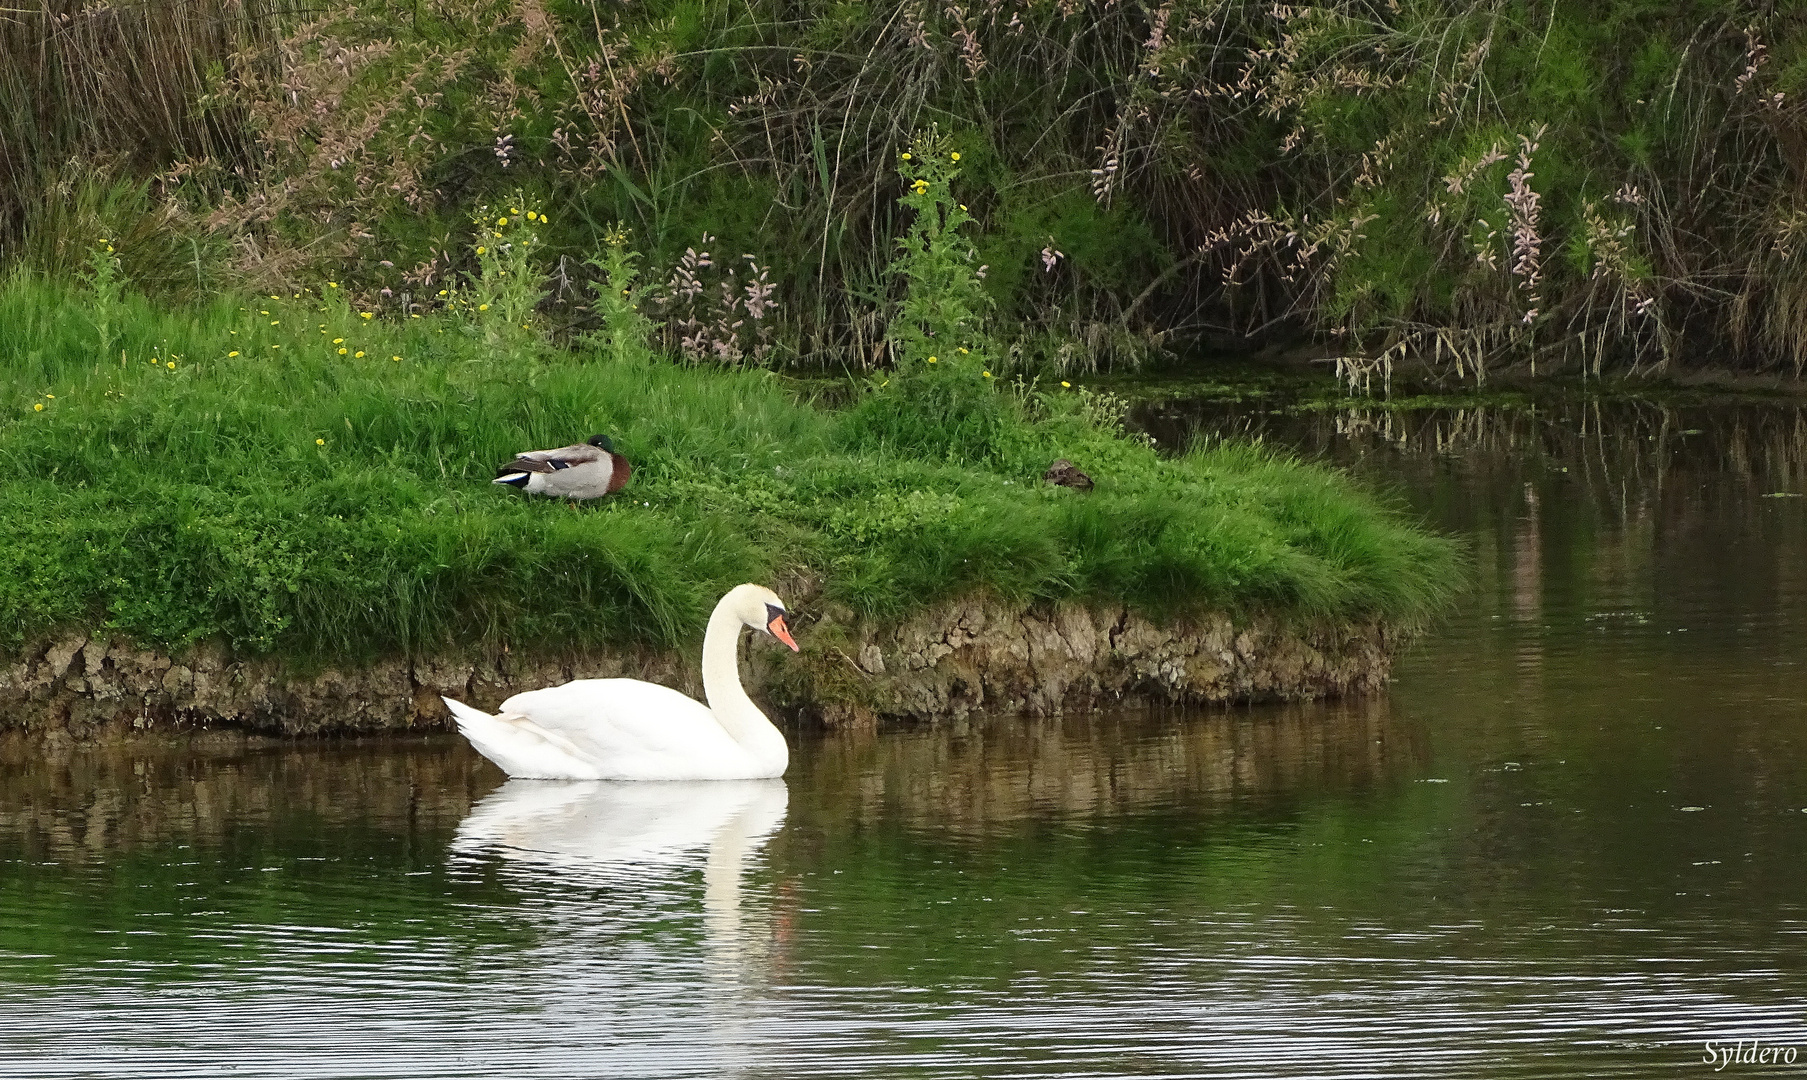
(1571,842)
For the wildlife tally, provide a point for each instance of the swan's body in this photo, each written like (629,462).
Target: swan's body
(587,470)
(626,729)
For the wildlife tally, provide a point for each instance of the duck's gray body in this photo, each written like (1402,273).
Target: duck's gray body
(581,471)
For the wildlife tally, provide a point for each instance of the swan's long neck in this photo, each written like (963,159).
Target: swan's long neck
(733,709)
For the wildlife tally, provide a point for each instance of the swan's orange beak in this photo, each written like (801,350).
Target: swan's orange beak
(781,631)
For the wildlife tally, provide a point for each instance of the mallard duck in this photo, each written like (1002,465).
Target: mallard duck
(625,729)
(1067,474)
(586,470)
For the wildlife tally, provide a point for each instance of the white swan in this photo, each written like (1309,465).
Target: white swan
(625,729)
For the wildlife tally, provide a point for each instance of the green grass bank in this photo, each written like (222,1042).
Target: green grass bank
(291,478)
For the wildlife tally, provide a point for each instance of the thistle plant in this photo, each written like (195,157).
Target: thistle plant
(507,286)
(625,330)
(941,400)
(942,313)
(107,281)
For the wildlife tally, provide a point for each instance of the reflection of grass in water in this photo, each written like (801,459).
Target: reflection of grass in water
(232,473)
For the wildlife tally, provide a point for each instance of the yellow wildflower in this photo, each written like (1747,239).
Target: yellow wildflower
(366,314)
(338,341)
(172,365)
(482,307)
(395,358)
(341,350)
(234,352)
(39,407)
(955,155)
(275,322)
(1064,382)
(51,396)
(501,221)
(332,284)
(920,186)
(442,292)
(319,442)
(531,215)
(359,354)
(932,359)
(962,350)
(481,249)
(906,156)
(987,374)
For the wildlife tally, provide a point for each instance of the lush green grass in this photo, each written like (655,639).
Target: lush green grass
(296,500)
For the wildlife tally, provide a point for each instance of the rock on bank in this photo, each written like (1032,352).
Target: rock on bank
(944,663)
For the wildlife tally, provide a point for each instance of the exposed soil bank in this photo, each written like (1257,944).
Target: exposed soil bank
(945,663)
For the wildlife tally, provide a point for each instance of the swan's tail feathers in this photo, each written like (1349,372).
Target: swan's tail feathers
(519,746)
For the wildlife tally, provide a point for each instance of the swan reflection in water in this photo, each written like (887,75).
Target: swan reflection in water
(641,839)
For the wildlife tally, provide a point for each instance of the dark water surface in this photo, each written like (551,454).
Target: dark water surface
(1572,842)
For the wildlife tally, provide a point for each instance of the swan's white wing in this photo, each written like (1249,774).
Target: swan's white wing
(635,730)
(521,747)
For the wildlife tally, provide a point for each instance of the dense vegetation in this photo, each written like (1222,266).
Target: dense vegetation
(1481,183)
(295,474)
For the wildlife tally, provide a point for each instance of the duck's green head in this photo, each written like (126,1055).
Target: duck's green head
(601,442)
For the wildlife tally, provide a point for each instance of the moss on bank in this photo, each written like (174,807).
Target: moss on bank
(239,472)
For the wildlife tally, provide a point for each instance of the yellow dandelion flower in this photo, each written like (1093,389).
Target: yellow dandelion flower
(955,155)
(359,353)
(342,350)
(39,407)
(332,284)
(544,219)
(395,358)
(263,313)
(109,249)
(920,186)
(104,240)
(234,352)
(482,307)
(51,396)
(442,292)
(319,442)
(338,341)
(987,374)
(962,206)
(501,221)
(481,249)
(962,350)
(1065,383)
(906,156)
(932,359)
(531,215)
(171,365)
(232,331)
(367,315)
